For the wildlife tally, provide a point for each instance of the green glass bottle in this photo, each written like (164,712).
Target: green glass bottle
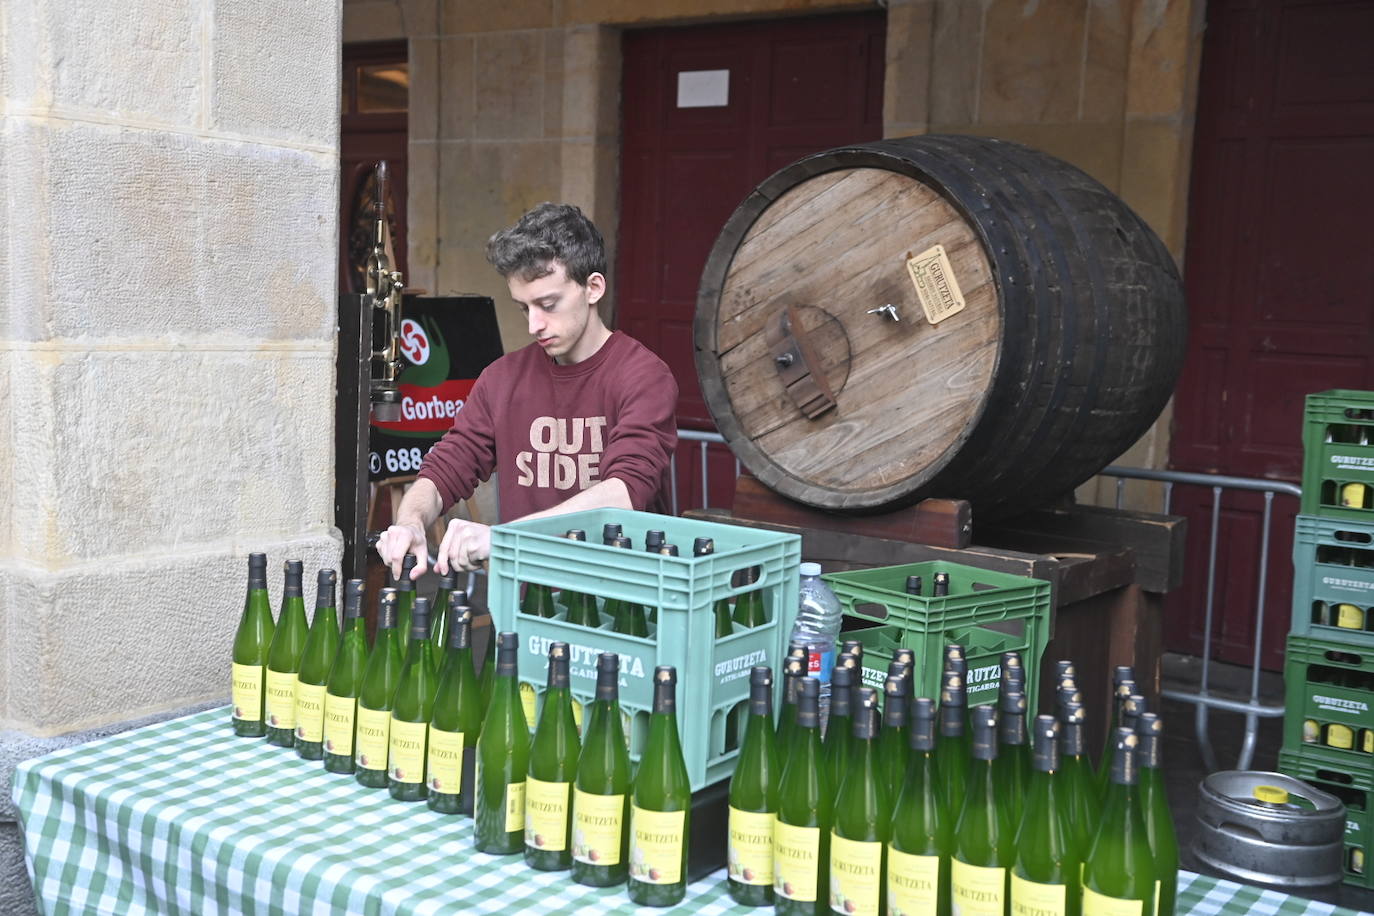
(801,837)
(922,829)
(626,616)
(1045,875)
(1011,741)
(581,607)
(456,721)
(1154,803)
(405,600)
(1119,875)
(252,641)
(661,808)
(601,794)
(345,683)
(704,547)
(862,816)
(284,660)
(411,709)
(438,624)
(538,601)
(839,735)
(1123,685)
(552,770)
(1012,679)
(793,673)
(984,841)
(317,658)
(380,678)
(1076,773)
(749,609)
(754,799)
(503,760)
(952,748)
(1127,706)
(893,743)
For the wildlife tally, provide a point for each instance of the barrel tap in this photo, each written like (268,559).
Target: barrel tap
(384,287)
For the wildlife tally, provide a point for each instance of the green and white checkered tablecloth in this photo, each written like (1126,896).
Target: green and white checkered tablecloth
(184,818)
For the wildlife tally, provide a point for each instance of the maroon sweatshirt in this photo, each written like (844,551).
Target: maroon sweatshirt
(553,430)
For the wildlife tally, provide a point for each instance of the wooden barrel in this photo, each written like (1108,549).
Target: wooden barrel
(935,316)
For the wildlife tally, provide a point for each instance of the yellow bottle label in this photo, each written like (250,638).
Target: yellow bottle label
(577,714)
(1341,736)
(444,767)
(1352,495)
(515,807)
(1156,897)
(1357,861)
(656,845)
(913,883)
(406,762)
(977,891)
(1095,904)
(247,692)
(281,699)
(374,734)
(856,874)
(339,716)
(598,823)
(1349,617)
(749,853)
(1030,898)
(1311,732)
(796,861)
(527,701)
(546,815)
(1367,741)
(310,712)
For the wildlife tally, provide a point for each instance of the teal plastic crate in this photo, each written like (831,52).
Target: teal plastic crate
(986,612)
(1351,786)
(713,675)
(1329,688)
(1333,580)
(1338,450)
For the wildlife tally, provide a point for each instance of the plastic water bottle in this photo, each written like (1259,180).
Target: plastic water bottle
(818,628)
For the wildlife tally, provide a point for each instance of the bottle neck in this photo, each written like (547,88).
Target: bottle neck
(951,721)
(418,649)
(1011,728)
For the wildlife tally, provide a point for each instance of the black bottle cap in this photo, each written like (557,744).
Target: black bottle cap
(576,534)
(1066,697)
(1131,709)
(922,734)
(653,539)
(796,650)
(461,595)
(1123,673)
(841,690)
(898,668)
(386,609)
(609,532)
(1123,690)
(906,657)
(1071,735)
(952,691)
(808,702)
(1010,673)
(941,584)
(353,598)
(865,726)
(558,665)
(1064,668)
(955,660)
(761,690)
(448,580)
(984,721)
(894,700)
(1045,749)
(324,588)
(953,702)
(1150,728)
(608,677)
(507,654)
(913,585)
(294,571)
(854,647)
(665,689)
(1124,772)
(459,622)
(793,672)
(419,619)
(257,570)
(406,583)
(703,546)
(623,542)
(668,550)
(1011,727)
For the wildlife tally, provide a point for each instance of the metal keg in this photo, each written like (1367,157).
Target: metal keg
(1271,829)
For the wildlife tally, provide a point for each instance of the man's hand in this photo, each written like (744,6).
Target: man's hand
(399,540)
(466,546)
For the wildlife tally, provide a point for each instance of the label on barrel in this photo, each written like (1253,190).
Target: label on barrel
(936,287)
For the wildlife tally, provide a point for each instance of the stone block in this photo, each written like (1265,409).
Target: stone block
(509,86)
(104,669)
(1166,41)
(486,186)
(158,451)
(294,47)
(1154,177)
(955,67)
(422,214)
(373,20)
(426,89)
(171,234)
(625,12)
(1106,58)
(462,16)
(1032,61)
(458,97)
(554,85)
(591,83)
(906,77)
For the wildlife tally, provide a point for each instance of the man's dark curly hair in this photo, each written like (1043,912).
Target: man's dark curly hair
(547,233)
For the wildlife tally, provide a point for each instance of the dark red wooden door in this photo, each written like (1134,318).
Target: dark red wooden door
(708,113)
(1280,282)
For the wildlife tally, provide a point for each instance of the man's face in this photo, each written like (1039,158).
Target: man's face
(558,311)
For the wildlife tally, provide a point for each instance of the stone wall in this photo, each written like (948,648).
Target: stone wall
(167,335)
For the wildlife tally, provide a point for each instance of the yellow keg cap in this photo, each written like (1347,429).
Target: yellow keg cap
(1271,795)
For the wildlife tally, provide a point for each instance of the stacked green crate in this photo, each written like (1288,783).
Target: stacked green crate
(1329,667)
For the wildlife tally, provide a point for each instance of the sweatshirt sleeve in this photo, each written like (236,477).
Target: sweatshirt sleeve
(641,443)
(466,455)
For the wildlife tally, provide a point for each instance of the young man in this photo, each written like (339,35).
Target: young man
(582,418)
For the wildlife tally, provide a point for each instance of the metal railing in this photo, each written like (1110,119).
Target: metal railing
(1202,699)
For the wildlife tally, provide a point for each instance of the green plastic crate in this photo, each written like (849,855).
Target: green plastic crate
(713,675)
(986,612)
(1350,785)
(1338,449)
(1333,565)
(1328,682)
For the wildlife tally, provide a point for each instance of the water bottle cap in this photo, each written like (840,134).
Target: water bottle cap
(811,569)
